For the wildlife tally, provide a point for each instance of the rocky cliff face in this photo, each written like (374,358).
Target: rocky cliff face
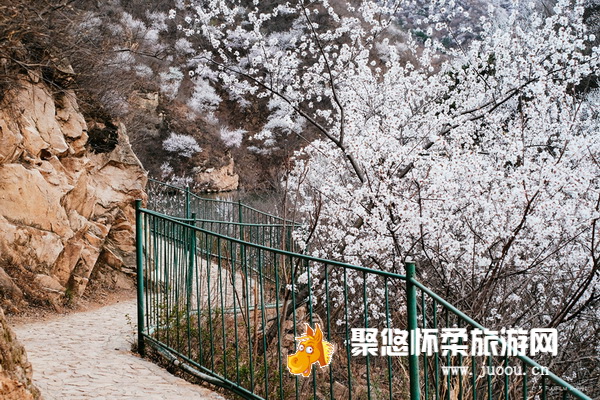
(66,198)
(216,179)
(15,370)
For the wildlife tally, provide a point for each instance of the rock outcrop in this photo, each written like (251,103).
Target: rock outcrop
(15,370)
(216,179)
(66,198)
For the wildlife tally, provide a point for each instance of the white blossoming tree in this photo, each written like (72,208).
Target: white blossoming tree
(182,145)
(481,160)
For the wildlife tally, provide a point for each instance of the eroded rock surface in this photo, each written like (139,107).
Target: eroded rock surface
(66,202)
(217,179)
(15,369)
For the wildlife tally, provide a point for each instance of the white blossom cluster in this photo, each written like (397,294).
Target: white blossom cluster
(481,161)
(232,138)
(170,82)
(183,145)
(204,98)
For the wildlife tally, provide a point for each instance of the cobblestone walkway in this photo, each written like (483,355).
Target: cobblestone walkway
(87,355)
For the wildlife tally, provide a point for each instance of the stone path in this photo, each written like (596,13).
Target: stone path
(87,355)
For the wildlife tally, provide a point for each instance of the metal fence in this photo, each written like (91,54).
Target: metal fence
(226,300)
(182,202)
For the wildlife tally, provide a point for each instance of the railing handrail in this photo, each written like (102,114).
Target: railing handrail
(273,249)
(211,221)
(233,203)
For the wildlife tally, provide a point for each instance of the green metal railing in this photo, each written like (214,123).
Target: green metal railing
(225,300)
(181,202)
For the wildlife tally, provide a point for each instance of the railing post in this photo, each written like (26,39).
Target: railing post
(139,253)
(240,218)
(413,356)
(288,238)
(187,201)
(192,260)
(241,233)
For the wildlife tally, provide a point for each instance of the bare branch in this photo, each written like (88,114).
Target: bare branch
(357,170)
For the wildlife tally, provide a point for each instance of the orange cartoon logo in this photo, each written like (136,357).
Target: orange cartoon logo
(312,348)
